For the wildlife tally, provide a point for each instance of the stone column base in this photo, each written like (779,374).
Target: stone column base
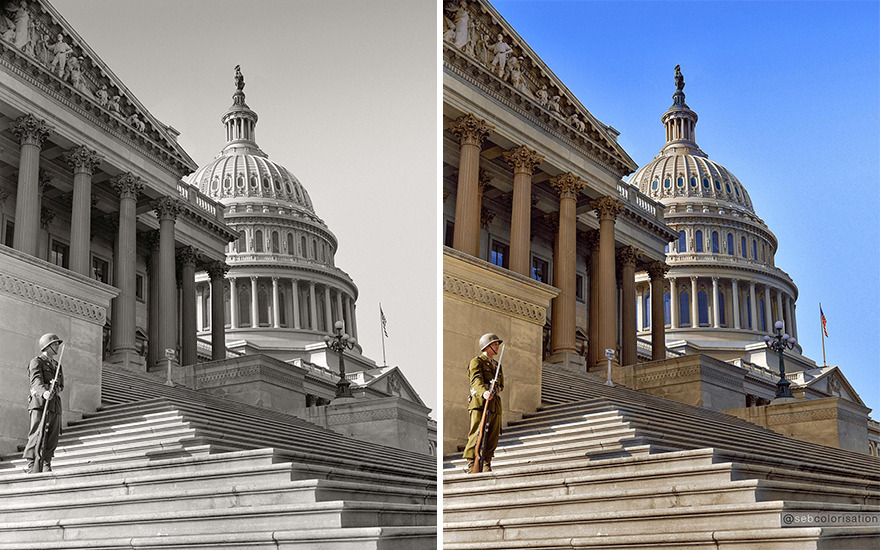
(128,359)
(569,361)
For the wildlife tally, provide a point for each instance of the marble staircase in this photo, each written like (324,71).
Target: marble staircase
(163,467)
(600,468)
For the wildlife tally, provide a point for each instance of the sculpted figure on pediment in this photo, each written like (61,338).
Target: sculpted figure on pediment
(481,49)
(516,75)
(21,18)
(462,21)
(76,78)
(501,50)
(577,123)
(60,51)
(553,105)
(103,96)
(113,106)
(136,122)
(543,96)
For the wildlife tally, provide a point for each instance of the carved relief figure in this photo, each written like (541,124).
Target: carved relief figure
(103,96)
(553,105)
(74,67)
(113,106)
(462,26)
(543,96)
(516,76)
(136,122)
(61,49)
(577,123)
(22,19)
(42,51)
(481,50)
(501,50)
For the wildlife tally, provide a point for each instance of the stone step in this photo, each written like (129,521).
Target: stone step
(812,538)
(322,515)
(360,538)
(760,515)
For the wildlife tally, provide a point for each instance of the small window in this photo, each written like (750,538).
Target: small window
(59,254)
(682,242)
(703,307)
(684,309)
(755,250)
(276,243)
(139,285)
(655,185)
(749,312)
(499,254)
(718,185)
(744,249)
(667,183)
(540,270)
(681,182)
(730,244)
(693,182)
(666,306)
(715,245)
(727,186)
(646,311)
(258,241)
(705,183)
(579,287)
(291,248)
(100,270)
(302,246)
(10,234)
(698,241)
(241,244)
(721,313)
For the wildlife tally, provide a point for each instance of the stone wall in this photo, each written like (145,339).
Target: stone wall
(479,297)
(35,298)
(257,380)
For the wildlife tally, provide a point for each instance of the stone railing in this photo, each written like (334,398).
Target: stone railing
(195,198)
(635,198)
(314,369)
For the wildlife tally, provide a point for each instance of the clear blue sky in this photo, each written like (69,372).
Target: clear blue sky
(788,95)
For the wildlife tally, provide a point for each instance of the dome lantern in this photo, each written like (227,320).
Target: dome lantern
(680,120)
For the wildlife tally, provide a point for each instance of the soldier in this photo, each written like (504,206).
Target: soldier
(42,371)
(481,371)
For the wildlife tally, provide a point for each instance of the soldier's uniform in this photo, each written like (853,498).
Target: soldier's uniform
(42,371)
(481,370)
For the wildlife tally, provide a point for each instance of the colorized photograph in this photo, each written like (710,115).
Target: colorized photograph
(660,273)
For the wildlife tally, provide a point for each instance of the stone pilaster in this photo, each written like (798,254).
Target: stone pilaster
(562,320)
(83,162)
(606,209)
(186,257)
(233,304)
(217,271)
(734,284)
(768,311)
(295,299)
(523,161)
(255,304)
(716,310)
(657,271)
(31,134)
(276,313)
(167,210)
(471,133)
(627,257)
(122,340)
(328,311)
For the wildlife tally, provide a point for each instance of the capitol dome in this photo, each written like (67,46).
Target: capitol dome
(284,292)
(723,290)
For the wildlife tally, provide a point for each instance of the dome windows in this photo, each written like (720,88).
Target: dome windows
(254,184)
(727,186)
(655,185)
(266,185)
(698,241)
(715,245)
(705,183)
(667,183)
(693,181)
(744,253)
(682,242)
(681,182)
(258,241)
(717,185)
(730,244)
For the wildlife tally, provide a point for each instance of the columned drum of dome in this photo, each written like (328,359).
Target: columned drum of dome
(724,257)
(283,292)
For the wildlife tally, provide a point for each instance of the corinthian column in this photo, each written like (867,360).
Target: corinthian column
(563,315)
(276,314)
(122,340)
(627,257)
(592,349)
(524,161)
(83,161)
(233,304)
(716,310)
(217,271)
(735,292)
(768,311)
(695,313)
(31,133)
(153,352)
(188,346)
(294,285)
(313,307)
(328,311)
(167,210)
(606,209)
(673,303)
(255,304)
(753,302)
(471,133)
(657,270)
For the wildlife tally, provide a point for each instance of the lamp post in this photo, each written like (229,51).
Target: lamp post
(339,342)
(778,344)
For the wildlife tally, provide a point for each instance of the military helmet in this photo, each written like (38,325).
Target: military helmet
(487,339)
(48,339)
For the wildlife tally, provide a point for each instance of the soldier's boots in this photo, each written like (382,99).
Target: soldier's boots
(47,466)
(487,466)
(470,466)
(31,467)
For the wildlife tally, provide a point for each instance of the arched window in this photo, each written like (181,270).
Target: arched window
(666,305)
(730,243)
(206,308)
(291,248)
(715,246)
(314,249)
(698,240)
(263,306)
(684,309)
(258,241)
(754,250)
(682,242)
(242,242)
(276,245)
(646,310)
(762,321)
(302,246)
(703,308)
(721,312)
(244,306)
(744,253)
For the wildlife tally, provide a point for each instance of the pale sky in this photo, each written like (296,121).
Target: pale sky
(788,96)
(346,94)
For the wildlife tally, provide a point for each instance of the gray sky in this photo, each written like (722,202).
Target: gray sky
(346,93)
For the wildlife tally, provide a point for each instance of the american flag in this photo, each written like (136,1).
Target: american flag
(822,316)
(383,320)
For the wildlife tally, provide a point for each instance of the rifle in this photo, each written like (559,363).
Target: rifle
(42,430)
(484,426)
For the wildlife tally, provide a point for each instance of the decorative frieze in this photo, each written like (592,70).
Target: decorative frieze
(52,299)
(485,297)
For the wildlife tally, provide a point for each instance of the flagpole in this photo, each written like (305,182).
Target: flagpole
(822,328)
(382,335)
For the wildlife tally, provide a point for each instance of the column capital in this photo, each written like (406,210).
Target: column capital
(253,279)
(46,217)
(592,239)
(483,180)
(715,279)
(127,185)
(657,270)
(44,178)
(606,208)
(628,255)
(552,218)
(486,217)
(151,239)
(82,160)
(30,130)
(166,208)
(217,269)
(470,130)
(567,185)
(523,160)
(187,256)
(275,280)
